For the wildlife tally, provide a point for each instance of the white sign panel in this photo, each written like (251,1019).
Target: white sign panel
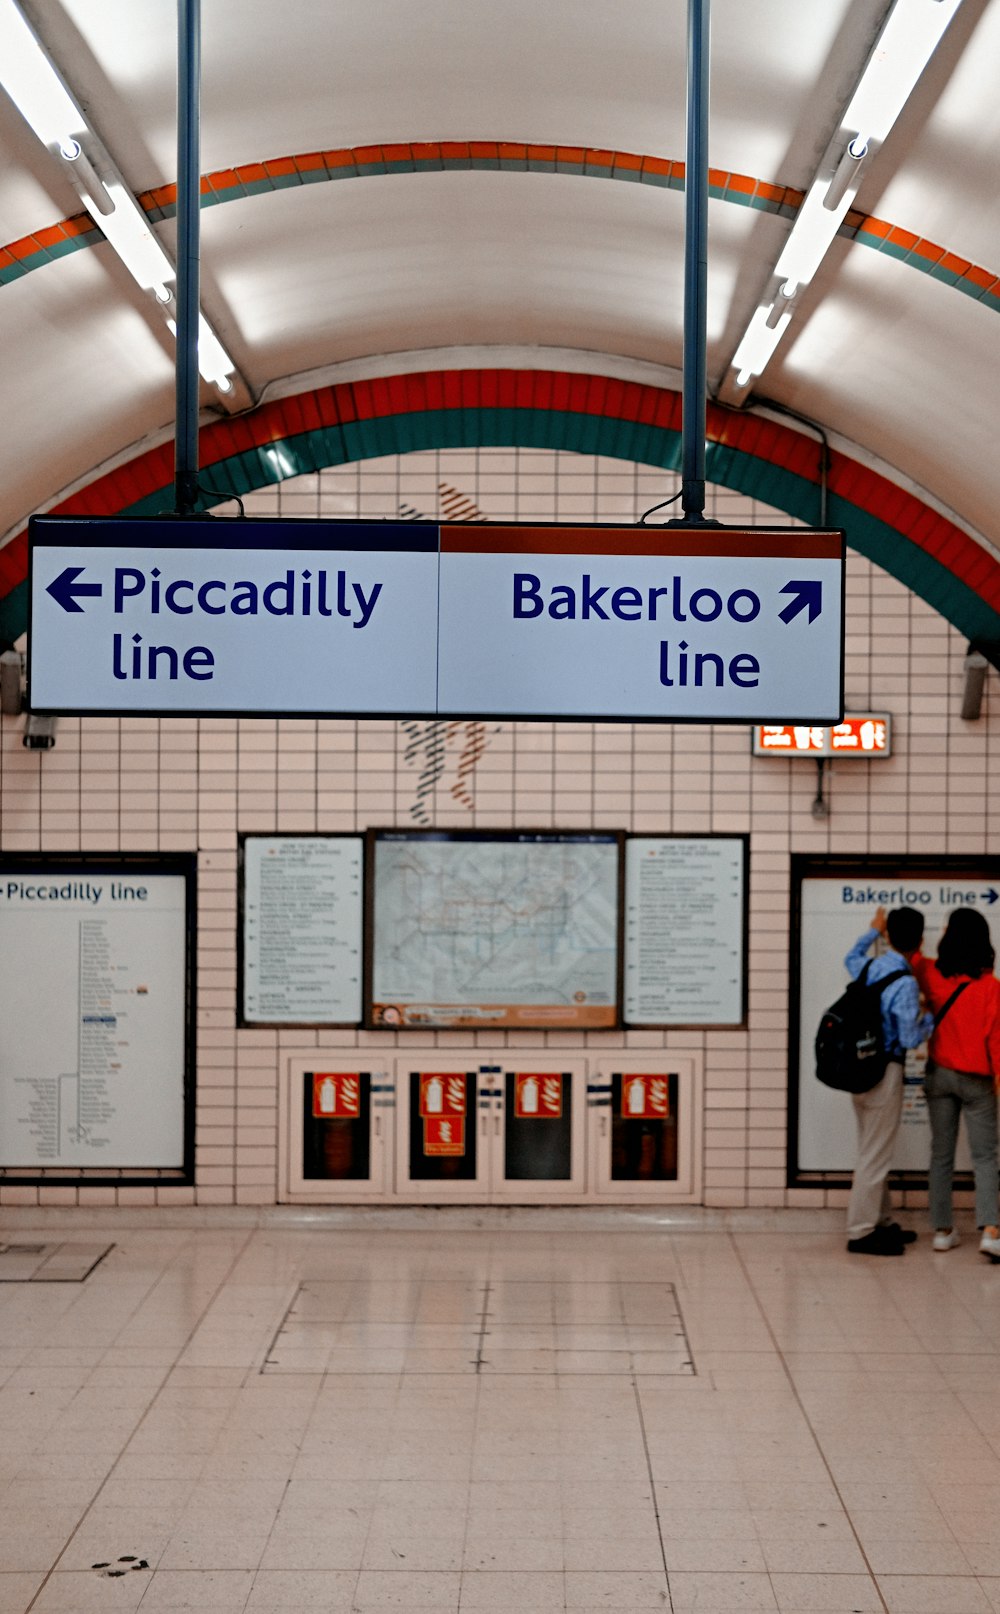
(711,625)
(684,930)
(302,929)
(704,624)
(92,1019)
(834,913)
(227,616)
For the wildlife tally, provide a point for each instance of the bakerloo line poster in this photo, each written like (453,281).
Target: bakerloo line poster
(834,902)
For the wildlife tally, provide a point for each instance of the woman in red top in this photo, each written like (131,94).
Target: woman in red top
(962,1071)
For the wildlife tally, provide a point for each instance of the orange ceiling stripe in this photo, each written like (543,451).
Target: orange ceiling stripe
(229,184)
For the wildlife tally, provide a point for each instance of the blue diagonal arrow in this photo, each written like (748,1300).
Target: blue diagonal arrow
(805,593)
(65,588)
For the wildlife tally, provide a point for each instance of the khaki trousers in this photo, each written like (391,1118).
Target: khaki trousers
(878,1114)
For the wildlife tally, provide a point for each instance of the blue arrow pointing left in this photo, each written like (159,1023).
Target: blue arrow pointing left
(65,588)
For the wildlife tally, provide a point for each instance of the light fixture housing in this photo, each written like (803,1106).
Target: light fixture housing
(907,41)
(39,731)
(44,100)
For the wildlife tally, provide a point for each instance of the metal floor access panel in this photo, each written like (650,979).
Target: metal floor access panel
(50,1263)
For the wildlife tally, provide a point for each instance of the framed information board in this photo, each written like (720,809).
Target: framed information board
(494,929)
(301,930)
(833,903)
(96,1016)
(685,930)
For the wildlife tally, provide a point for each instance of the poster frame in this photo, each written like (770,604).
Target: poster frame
(72,864)
(242,1023)
(807,866)
(520,832)
(700,1025)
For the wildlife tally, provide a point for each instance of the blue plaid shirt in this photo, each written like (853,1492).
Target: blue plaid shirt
(903,1026)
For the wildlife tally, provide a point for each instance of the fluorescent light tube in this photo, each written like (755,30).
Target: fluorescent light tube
(33,84)
(37,90)
(910,35)
(87,180)
(214,363)
(907,41)
(759,341)
(129,232)
(847,175)
(909,38)
(811,236)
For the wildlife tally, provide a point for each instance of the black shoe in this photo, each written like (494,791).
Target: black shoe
(880,1241)
(907,1234)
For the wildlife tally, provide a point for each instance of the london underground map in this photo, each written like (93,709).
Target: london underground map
(495,930)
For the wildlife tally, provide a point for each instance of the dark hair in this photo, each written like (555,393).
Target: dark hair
(965,947)
(906,929)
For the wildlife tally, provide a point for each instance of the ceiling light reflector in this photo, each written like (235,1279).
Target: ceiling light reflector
(34,85)
(910,35)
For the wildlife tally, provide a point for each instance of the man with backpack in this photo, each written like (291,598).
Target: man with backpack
(870,1228)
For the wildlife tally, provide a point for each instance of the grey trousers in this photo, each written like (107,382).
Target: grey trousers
(878,1114)
(951,1093)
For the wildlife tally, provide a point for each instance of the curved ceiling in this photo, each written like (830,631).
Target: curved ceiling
(515,183)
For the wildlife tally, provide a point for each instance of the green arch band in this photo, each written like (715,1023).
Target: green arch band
(407,431)
(657,446)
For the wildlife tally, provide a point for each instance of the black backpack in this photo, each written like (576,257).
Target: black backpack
(850,1048)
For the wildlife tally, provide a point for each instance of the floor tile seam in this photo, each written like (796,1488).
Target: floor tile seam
(94,1500)
(648,1457)
(471,1468)
(316,1396)
(765,1320)
(267,1354)
(321,1385)
(484,1314)
(90,1508)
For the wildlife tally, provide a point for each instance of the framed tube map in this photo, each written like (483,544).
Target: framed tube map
(489,930)
(833,903)
(96,1016)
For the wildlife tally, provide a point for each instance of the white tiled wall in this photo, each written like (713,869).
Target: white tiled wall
(180,784)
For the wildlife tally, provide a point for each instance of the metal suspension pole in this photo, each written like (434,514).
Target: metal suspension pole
(188,252)
(695,264)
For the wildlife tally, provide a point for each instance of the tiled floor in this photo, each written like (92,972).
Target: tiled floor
(444,1418)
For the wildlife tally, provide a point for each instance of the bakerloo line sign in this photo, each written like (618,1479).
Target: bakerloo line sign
(202,616)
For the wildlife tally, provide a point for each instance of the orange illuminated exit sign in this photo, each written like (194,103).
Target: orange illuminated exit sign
(861,734)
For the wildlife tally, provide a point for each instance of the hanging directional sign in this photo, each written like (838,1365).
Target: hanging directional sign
(201,616)
(640,622)
(212,616)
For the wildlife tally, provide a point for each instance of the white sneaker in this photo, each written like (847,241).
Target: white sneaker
(989,1244)
(947,1238)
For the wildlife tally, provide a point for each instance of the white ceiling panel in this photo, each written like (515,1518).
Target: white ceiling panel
(850,365)
(330,273)
(83,375)
(944,182)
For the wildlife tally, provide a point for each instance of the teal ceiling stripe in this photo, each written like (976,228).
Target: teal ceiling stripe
(235,184)
(14,613)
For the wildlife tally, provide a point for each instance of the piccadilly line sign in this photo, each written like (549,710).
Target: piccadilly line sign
(202,616)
